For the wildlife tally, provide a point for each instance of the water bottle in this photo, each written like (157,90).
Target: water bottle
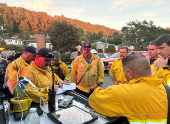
(32,117)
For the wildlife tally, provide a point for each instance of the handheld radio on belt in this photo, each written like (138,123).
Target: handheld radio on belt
(51,96)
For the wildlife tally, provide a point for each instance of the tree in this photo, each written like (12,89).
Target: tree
(80,31)
(111,48)
(24,35)
(115,35)
(117,41)
(144,31)
(83,38)
(64,37)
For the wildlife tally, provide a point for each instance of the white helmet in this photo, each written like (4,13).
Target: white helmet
(93,51)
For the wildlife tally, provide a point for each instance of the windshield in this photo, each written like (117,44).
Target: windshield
(101,55)
(115,55)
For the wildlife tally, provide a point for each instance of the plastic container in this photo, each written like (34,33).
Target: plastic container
(32,117)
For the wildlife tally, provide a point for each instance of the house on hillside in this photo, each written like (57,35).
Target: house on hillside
(40,42)
(14,41)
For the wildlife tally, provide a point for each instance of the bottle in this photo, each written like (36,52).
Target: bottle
(32,117)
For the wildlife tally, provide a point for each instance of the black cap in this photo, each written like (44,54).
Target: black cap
(86,45)
(46,53)
(31,49)
(10,58)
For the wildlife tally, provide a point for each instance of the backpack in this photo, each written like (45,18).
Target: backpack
(59,72)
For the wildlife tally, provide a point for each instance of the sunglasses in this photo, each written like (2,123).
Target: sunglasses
(87,46)
(55,60)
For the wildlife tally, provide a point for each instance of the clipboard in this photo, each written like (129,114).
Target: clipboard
(72,115)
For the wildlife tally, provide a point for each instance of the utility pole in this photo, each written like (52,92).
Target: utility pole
(105,43)
(2,28)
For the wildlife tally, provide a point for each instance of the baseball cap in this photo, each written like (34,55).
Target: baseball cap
(86,45)
(31,49)
(46,53)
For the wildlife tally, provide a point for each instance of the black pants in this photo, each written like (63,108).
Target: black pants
(83,93)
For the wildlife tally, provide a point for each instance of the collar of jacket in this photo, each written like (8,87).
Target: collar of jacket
(20,59)
(38,70)
(152,80)
(82,57)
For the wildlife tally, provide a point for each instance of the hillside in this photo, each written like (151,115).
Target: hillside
(17,19)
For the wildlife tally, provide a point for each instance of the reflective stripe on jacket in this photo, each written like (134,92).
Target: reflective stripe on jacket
(117,71)
(18,64)
(92,76)
(64,68)
(143,100)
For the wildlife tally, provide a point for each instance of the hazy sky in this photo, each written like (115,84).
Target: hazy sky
(110,13)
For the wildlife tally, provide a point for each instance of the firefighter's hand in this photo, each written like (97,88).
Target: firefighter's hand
(63,82)
(94,87)
(161,61)
(55,88)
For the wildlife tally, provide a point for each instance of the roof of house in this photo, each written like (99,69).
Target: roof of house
(47,39)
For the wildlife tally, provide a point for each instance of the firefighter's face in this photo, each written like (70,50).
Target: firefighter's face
(42,62)
(30,57)
(55,62)
(86,52)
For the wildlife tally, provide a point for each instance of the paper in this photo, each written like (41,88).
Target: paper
(60,91)
(72,86)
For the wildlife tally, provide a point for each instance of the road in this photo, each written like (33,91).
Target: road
(107,80)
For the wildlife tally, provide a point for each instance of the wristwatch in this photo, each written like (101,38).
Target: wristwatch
(98,84)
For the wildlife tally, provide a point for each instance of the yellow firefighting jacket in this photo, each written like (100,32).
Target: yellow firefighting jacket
(117,71)
(142,100)
(12,69)
(93,75)
(64,68)
(164,74)
(154,68)
(42,79)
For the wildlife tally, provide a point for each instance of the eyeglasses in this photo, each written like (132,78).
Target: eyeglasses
(55,60)
(86,46)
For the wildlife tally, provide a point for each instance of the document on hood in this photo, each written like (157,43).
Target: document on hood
(72,86)
(59,91)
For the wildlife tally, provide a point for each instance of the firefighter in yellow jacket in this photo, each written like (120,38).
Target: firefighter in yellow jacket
(142,100)
(17,66)
(116,72)
(39,73)
(153,57)
(59,67)
(163,49)
(87,71)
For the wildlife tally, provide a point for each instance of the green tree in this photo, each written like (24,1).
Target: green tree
(16,48)
(24,35)
(111,48)
(144,31)
(83,38)
(100,35)
(64,37)
(80,31)
(115,35)
(117,41)
(93,46)
(100,50)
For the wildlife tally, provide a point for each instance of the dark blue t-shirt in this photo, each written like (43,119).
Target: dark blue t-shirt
(88,59)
